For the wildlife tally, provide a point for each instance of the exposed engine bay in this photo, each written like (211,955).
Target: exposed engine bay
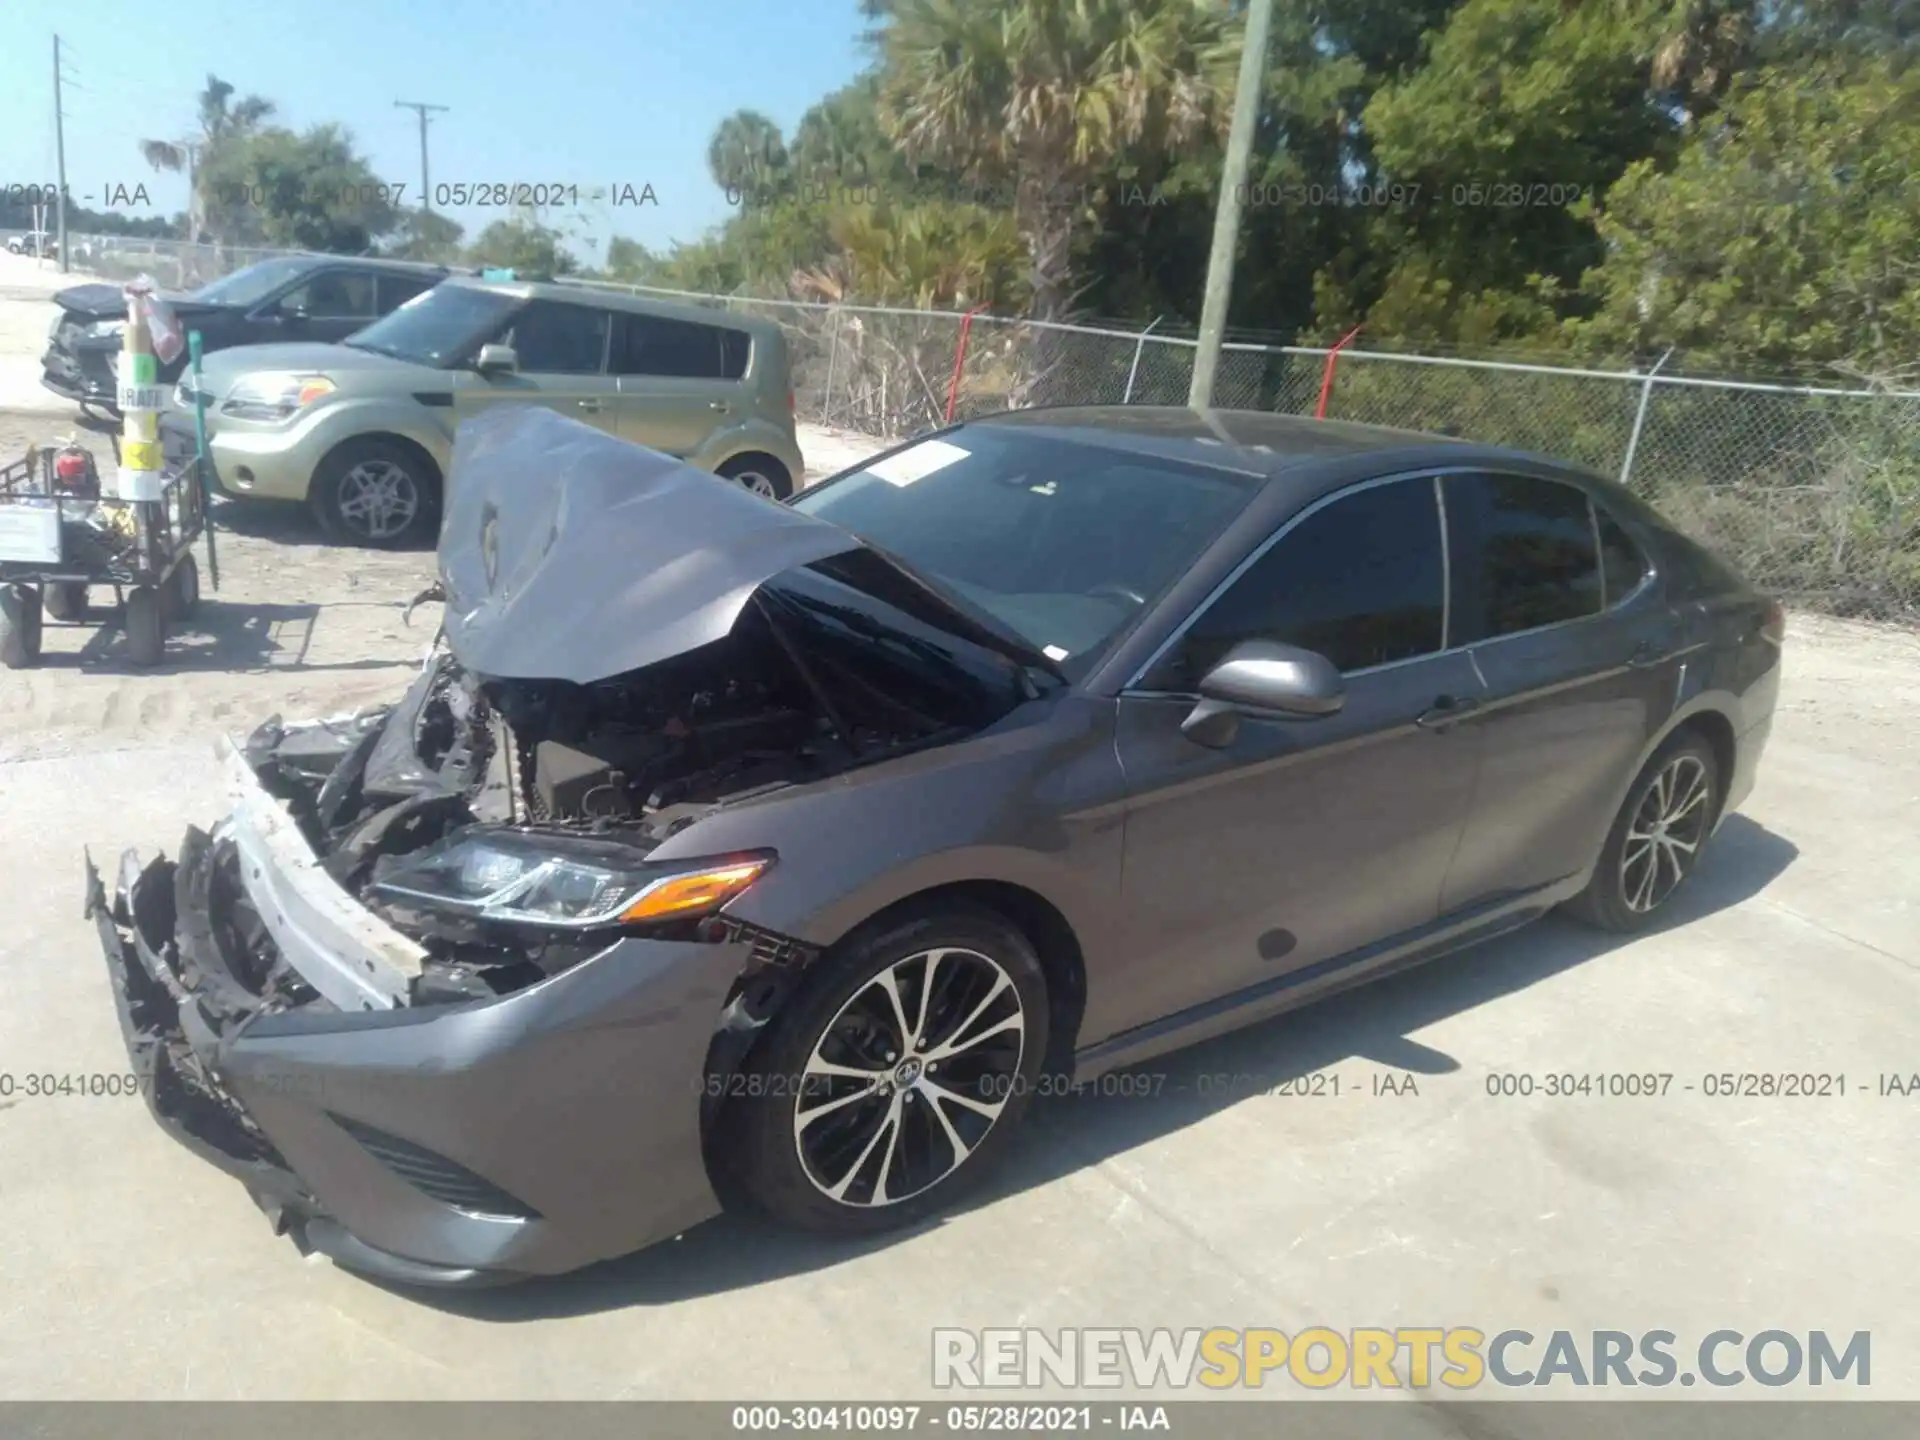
(405,805)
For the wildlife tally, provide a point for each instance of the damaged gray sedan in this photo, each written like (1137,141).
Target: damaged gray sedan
(726,851)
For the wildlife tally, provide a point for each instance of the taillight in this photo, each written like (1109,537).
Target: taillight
(1774,627)
(792,408)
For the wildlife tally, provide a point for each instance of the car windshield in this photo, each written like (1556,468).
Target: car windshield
(438,327)
(253,284)
(1063,543)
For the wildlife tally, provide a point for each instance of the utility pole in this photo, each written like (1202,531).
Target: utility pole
(426,195)
(1226,212)
(60,158)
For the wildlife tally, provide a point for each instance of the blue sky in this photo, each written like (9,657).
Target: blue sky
(570,92)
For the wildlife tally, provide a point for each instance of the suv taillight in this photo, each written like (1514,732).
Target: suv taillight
(1774,627)
(792,408)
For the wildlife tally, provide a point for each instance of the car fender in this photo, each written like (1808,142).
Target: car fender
(749,436)
(333,425)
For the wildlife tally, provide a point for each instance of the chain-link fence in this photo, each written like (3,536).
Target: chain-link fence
(1813,492)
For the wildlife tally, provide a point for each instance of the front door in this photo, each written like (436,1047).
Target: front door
(561,353)
(1303,840)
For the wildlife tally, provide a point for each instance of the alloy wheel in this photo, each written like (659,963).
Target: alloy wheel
(1663,838)
(758,483)
(909,1077)
(378,499)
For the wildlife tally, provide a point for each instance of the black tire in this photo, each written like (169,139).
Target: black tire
(145,622)
(841,1010)
(180,595)
(762,474)
(65,600)
(19,627)
(1631,887)
(355,473)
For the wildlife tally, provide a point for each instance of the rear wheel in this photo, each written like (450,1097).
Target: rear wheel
(896,1075)
(1656,839)
(19,626)
(180,595)
(761,474)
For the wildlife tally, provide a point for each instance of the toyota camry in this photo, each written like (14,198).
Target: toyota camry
(734,852)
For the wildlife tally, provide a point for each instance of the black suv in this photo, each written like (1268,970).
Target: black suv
(291,297)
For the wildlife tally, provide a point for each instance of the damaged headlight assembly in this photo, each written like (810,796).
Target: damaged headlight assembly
(572,883)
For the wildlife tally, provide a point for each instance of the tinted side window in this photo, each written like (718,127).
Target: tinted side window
(674,348)
(1361,581)
(396,290)
(1622,565)
(333,295)
(1523,554)
(549,338)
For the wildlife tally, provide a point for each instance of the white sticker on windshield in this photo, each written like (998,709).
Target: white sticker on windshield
(917,463)
(1054,652)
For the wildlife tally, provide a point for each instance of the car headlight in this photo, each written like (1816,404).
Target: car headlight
(275,395)
(571,882)
(106,329)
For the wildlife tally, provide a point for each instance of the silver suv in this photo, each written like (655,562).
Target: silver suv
(362,431)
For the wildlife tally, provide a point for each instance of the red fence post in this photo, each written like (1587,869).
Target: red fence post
(1326,377)
(960,359)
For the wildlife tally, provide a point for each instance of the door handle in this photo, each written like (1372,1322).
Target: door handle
(1446,710)
(593,406)
(719,405)
(1646,655)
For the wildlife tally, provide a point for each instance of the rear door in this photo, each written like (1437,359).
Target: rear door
(561,352)
(1580,655)
(674,381)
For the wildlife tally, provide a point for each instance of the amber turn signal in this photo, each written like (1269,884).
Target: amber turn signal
(694,893)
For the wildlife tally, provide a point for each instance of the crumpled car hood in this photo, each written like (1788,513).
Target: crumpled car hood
(567,554)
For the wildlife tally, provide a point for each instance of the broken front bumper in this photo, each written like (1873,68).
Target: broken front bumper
(457,1144)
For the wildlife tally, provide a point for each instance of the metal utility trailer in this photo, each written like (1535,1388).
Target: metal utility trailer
(56,547)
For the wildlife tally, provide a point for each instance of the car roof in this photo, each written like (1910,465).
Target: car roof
(1309,456)
(582,294)
(381,263)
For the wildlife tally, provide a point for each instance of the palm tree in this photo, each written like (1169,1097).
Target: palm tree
(220,124)
(1045,97)
(747,156)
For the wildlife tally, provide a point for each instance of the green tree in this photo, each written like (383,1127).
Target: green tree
(1785,234)
(1043,98)
(747,156)
(308,191)
(523,244)
(222,123)
(424,235)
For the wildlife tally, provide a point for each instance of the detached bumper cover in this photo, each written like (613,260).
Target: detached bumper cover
(462,1144)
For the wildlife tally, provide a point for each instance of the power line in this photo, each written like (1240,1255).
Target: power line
(426,195)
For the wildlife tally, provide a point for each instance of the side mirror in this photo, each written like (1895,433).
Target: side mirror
(1263,677)
(496,359)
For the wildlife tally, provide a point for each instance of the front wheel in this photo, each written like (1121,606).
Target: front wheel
(1656,839)
(895,1077)
(376,493)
